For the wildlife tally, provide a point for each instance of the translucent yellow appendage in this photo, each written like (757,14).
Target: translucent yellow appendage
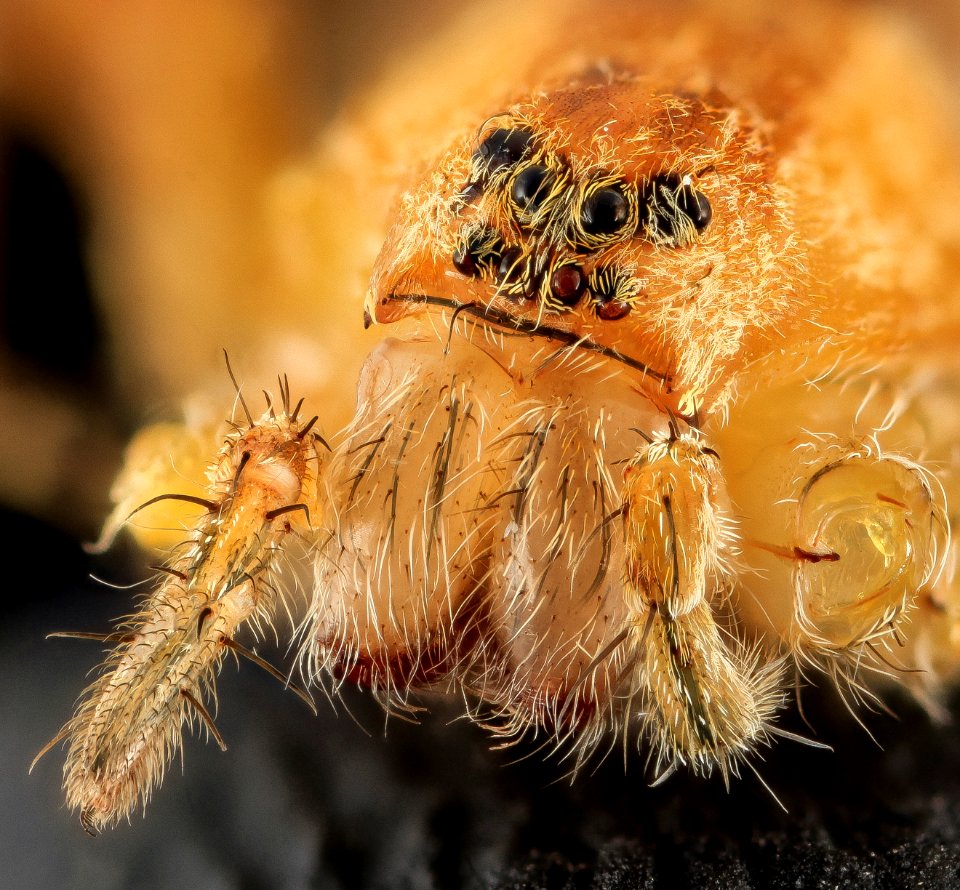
(872,535)
(163,457)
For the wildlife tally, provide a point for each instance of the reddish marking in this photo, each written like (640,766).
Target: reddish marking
(401,670)
(388,669)
(811,556)
(886,499)
(795,552)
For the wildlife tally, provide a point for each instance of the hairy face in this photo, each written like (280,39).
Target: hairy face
(619,216)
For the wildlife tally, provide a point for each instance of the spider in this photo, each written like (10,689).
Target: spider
(665,426)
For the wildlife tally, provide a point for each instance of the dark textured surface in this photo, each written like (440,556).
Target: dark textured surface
(300,801)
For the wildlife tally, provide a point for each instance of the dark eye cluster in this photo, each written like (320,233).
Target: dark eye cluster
(563,220)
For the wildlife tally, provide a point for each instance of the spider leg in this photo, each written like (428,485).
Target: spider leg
(707,697)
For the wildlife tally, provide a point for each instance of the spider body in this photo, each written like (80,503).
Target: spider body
(660,431)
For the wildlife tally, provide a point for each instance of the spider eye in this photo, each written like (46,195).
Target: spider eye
(605,212)
(567,283)
(696,206)
(531,187)
(676,211)
(613,292)
(478,253)
(515,275)
(501,149)
(465,261)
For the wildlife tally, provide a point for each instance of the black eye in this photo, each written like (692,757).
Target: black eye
(478,253)
(502,148)
(511,268)
(465,262)
(675,210)
(605,212)
(515,276)
(531,187)
(468,194)
(606,209)
(695,205)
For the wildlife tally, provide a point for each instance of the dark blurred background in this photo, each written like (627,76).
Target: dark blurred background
(332,801)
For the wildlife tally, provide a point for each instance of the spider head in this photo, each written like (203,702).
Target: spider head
(632,220)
